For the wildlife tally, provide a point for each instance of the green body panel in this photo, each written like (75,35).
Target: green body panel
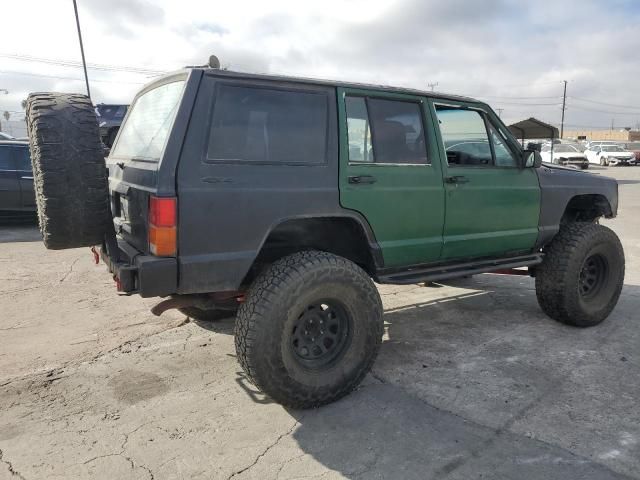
(418,218)
(405,207)
(496,213)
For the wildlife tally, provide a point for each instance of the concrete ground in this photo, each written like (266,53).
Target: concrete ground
(472,381)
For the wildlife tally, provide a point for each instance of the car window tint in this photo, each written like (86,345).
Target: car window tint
(465,137)
(6,162)
(398,133)
(23,158)
(504,157)
(358,130)
(254,124)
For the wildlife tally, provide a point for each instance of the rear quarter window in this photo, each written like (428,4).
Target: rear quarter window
(268,125)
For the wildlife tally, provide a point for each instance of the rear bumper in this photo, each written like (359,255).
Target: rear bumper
(145,275)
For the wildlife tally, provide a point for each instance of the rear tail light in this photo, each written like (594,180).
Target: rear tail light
(163,216)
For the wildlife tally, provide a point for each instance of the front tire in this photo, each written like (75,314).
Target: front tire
(580,280)
(309,329)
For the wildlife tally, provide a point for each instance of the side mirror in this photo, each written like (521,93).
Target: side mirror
(532,159)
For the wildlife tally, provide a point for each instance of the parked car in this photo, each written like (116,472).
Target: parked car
(611,155)
(110,119)
(16,179)
(564,154)
(280,200)
(595,144)
(635,148)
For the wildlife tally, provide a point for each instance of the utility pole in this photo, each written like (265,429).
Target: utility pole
(500,112)
(6,92)
(564,106)
(432,85)
(84,63)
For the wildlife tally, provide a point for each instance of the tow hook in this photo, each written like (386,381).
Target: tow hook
(96,255)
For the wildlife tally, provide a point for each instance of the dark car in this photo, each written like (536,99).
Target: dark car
(635,148)
(110,118)
(16,179)
(283,199)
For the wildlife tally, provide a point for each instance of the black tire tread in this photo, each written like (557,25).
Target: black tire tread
(69,171)
(265,293)
(553,283)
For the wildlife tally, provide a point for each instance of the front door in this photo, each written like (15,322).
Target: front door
(492,204)
(390,173)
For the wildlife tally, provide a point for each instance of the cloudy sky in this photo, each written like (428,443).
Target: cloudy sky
(510,53)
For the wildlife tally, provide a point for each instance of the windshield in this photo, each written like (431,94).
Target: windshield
(565,148)
(612,148)
(145,131)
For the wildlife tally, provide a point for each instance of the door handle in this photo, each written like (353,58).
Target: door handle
(456,179)
(362,179)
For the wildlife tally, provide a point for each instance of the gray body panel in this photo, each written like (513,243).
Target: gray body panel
(558,186)
(227,209)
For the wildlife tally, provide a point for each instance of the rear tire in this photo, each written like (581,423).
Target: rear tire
(310,329)
(69,171)
(580,280)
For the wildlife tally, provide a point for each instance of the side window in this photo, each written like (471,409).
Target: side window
(5,159)
(253,124)
(503,155)
(359,130)
(398,133)
(465,137)
(23,159)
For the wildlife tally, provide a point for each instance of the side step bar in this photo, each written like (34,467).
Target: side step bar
(442,272)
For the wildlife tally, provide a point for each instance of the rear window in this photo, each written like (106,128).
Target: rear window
(144,134)
(263,125)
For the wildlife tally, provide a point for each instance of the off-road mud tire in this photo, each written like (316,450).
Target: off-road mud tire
(275,302)
(558,277)
(69,171)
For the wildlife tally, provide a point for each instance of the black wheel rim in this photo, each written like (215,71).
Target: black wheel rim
(592,275)
(321,334)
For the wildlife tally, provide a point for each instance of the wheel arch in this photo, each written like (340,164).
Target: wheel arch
(344,235)
(586,208)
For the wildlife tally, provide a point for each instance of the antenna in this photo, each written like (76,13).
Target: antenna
(214,62)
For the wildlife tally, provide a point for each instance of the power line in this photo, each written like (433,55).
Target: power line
(580,107)
(72,64)
(603,103)
(77,79)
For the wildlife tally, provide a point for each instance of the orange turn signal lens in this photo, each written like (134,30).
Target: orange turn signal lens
(162,241)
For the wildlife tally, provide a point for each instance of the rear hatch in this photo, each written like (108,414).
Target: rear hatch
(138,167)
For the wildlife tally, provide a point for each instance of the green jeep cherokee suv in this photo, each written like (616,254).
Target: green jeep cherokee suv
(281,200)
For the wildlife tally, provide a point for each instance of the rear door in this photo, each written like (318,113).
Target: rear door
(9,186)
(25,177)
(492,203)
(390,173)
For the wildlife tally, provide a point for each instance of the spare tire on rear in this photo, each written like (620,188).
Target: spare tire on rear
(69,170)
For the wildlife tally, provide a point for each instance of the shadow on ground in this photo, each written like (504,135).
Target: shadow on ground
(482,384)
